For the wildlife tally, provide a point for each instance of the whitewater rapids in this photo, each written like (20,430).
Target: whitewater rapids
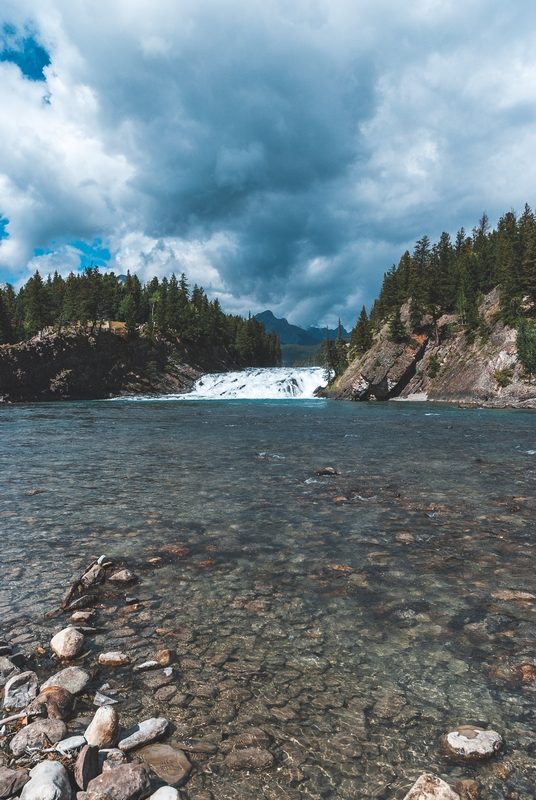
(279,383)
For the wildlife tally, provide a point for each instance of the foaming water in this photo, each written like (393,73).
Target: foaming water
(284,383)
(354,614)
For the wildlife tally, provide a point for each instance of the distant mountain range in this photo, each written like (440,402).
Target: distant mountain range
(292,334)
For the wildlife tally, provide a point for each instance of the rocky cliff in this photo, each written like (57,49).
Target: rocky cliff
(81,366)
(443,367)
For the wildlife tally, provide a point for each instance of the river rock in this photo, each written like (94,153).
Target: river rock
(154,680)
(41,733)
(165,657)
(103,728)
(59,703)
(5,648)
(114,659)
(93,575)
(251,758)
(123,576)
(82,602)
(12,781)
(87,765)
(72,743)
(165,793)
(7,670)
(82,617)
(73,679)
(147,731)
(20,690)
(48,781)
(103,700)
(68,643)
(171,765)
(470,743)
(468,789)
(125,782)
(111,757)
(429,787)
(146,665)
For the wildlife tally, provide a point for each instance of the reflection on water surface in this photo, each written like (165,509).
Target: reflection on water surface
(353,617)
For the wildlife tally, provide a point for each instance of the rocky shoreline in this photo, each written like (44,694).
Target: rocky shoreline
(96,365)
(442,366)
(52,746)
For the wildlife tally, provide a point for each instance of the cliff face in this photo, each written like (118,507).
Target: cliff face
(451,370)
(77,366)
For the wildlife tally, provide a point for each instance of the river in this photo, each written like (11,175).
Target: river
(361,614)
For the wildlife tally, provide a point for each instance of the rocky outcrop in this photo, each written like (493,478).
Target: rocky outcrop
(96,365)
(442,365)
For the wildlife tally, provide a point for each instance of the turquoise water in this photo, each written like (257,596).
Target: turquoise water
(362,613)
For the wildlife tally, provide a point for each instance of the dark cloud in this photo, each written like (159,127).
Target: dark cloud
(284,154)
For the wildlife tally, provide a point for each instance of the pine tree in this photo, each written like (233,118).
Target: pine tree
(397,329)
(526,346)
(361,335)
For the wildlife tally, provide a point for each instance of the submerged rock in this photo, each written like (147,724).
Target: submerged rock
(171,765)
(49,780)
(429,787)
(473,744)
(251,758)
(68,643)
(123,576)
(41,733)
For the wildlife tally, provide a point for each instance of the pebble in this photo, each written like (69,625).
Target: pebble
(250,758)
(104,728)
(41,733)
(165,657)
(429,787)
(125,782)
(48,781)
(68,643)
(82,602)
(123,576)
(59,702)
(473,744)
(73,679)
(103,700)
(87,765)
(110,758)
(171,765)
(7,670)
(147,731)
(114,659)
(20,690)
(12,781)
(146,665)
(165,793)
(72,743)
(82,616)
(154,680)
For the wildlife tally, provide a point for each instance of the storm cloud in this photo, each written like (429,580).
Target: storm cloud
(281,154)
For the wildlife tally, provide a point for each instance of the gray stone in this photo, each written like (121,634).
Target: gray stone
(251,758)
(20,690)
(41,733)
(111,757)
(68,643)
(72,743)
(49,781)
(114,659)
(125,782)
(73,679)
(104,728)
(171,765)
(12,781)
(87,765)
(146,665)
(7,670)
(82,602)
(93,575)
(429,787)
(147,731)
(470,743)
(102,700)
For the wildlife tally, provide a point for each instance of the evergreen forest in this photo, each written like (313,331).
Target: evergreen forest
(453,276)
(166,306)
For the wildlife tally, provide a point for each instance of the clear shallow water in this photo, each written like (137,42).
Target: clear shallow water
(352,647)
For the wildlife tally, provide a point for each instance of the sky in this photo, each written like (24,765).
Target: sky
(281,153)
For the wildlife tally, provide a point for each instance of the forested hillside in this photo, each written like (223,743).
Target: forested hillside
(164,307)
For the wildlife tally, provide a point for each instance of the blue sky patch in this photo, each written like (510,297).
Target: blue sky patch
(25,51)
(93,253)
(4,222)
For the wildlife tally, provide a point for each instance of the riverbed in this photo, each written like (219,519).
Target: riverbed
(366,570)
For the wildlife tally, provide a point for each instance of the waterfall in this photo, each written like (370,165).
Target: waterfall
(282,383)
